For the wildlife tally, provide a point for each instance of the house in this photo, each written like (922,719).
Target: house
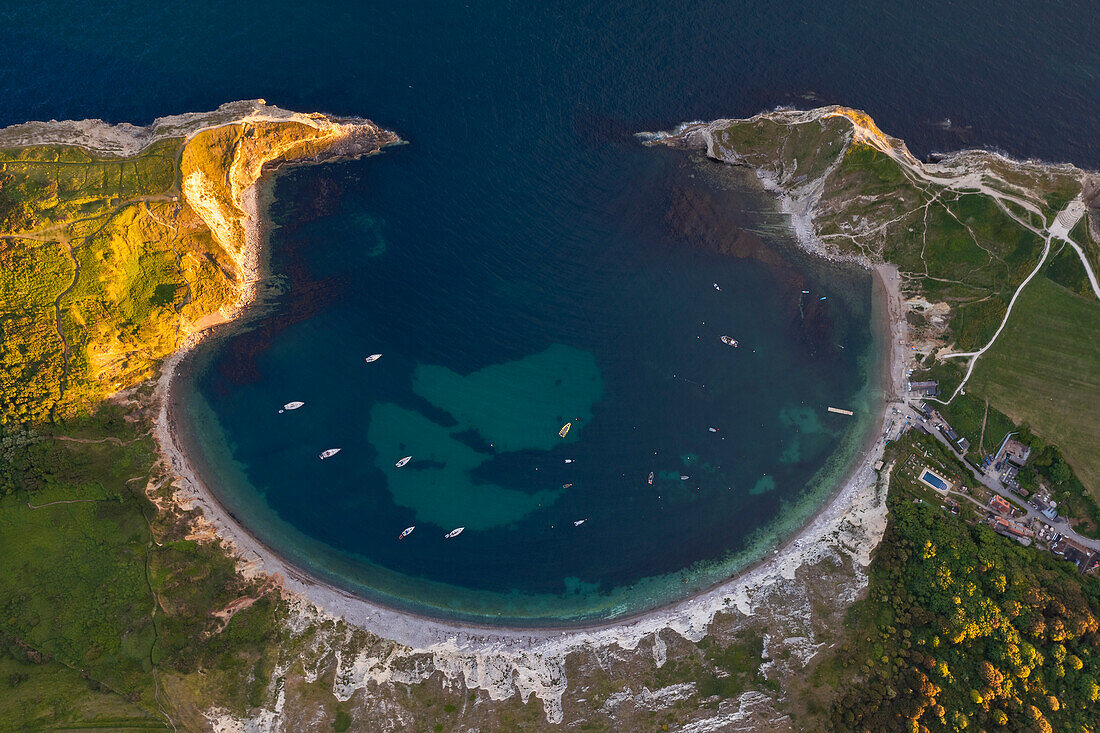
(961,444)
(1011,529)
(1077,554)
(928,389)
(1016,452)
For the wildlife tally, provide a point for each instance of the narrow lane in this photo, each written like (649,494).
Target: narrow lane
(994,485)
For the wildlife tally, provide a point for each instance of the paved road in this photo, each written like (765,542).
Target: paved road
(994,484)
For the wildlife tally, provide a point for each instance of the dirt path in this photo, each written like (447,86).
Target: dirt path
(63,501)
(1066,219)
(985,419)
(86,441)
(1059,228)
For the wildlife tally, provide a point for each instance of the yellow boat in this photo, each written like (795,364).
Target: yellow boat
(565,429)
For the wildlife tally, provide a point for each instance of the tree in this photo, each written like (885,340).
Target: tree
(1060,472)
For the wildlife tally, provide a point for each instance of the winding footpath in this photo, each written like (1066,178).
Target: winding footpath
(1063,223)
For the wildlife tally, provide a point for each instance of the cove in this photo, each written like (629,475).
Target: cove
(494,334)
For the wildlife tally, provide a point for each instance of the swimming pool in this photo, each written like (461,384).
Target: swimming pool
(933,480)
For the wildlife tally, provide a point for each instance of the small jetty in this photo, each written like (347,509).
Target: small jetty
(839,411)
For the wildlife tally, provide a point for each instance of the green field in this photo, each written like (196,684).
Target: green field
(1044,370)
(96,582)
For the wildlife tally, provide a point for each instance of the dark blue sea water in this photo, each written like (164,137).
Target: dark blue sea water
(524,262)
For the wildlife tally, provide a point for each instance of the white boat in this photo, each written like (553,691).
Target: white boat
(565,429)
(373,357)
(717,288)
(408,531)
(730,341)
(579,522)
(713,430)
(403,461)
(453,533)
(329,453)
(568,460)
(683,477)
(805,292)
(651,478)
(291,406)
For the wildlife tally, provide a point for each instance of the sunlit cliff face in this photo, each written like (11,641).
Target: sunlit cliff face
(865,131)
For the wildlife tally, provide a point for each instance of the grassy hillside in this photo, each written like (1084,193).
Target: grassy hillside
(953,243)
(99,583)
(1045,371)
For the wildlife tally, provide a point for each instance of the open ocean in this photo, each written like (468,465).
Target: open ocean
(524,262)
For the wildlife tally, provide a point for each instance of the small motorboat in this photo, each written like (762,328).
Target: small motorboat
(373,357)
(683,477)
(822,298)
(407,531)
(712,430)
(403,461)
(805,292)
(565,429)
(568,460)
(717,288)
(579,522)
(329,453)
(291,406)
(651,478)
(730,341)
(453,533)
(567,486)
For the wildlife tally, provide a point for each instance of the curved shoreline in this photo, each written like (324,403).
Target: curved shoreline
(424,632)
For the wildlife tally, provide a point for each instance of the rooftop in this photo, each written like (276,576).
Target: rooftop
(1016,452)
